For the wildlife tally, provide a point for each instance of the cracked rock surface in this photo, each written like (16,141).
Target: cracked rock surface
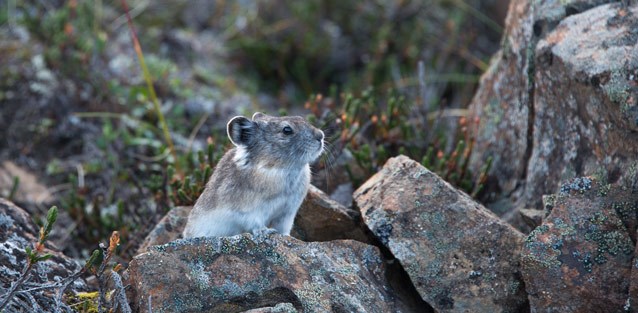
(458,254)
(239,273)
(581,258)
(559,100)
(17,231)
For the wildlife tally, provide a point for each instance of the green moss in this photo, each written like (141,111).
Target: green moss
(578,184)
(312,295)
(608,242)
(565,230)
(539,252)
(434,217)
(604,190)
(618,89)
(85,302)
(626,210)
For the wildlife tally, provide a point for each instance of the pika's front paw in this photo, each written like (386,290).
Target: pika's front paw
(264,232)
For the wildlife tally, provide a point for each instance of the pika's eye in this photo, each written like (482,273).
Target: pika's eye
(287,130)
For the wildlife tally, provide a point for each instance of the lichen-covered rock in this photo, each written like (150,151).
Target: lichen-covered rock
(279,308)
(169,228)
(585,100)
(18,232)
(322,219)
(559,99)
(233,274)
(458,254)
(632,301)
(580,258)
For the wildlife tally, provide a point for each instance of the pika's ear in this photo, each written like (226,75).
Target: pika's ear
(258,115)
(240,130)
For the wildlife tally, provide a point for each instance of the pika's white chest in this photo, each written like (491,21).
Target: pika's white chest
(285,194)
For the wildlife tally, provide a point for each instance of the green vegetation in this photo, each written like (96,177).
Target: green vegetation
(383,94)
(375,127)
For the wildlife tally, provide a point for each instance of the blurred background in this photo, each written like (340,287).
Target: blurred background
(118,118)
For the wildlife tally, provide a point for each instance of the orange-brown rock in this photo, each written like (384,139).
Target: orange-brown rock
(239,273)
(322,219)
(580,258)
(559,100)
(459,255)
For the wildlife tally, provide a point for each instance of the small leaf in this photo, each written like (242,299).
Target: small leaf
(114,241)
(52,216)
(97,253)
(43,257)
(117,267)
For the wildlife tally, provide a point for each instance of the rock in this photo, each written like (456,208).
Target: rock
(343,194)
(279,308)
(322,219)
(632,301)
(458,254)
(580,258)
(585,99)
(531,217)
(169,228)
(233,274)
(29,188)
(559,99)
(17,232)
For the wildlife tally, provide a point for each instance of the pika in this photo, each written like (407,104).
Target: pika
(261,182)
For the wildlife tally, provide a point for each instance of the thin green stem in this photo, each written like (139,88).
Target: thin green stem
(149,85)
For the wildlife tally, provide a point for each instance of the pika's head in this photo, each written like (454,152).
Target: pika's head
(271,141)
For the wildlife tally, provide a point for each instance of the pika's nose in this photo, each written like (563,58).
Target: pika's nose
(319,135)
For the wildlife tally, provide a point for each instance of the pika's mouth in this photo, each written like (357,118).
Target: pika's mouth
(318,151)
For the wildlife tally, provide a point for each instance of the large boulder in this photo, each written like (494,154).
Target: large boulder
(559,99)
(459,255)
(17,232)
(580,258)
(238,273)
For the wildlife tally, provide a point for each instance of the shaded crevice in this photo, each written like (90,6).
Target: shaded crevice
(397,277)
(253,300)
(531,87)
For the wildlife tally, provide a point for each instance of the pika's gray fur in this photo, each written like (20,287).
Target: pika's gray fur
(261,182)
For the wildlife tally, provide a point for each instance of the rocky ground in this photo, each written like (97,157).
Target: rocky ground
(558,233)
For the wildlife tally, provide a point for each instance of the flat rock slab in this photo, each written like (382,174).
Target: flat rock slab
(239,273)
(458,254)
(580,258)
